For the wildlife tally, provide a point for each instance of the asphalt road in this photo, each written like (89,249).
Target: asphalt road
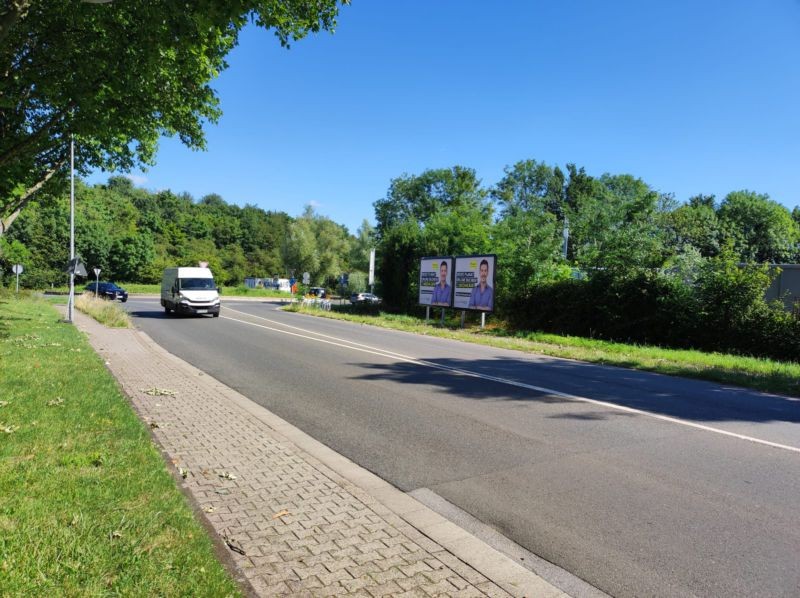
(640,484)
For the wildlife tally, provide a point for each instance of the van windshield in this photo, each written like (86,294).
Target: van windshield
(197,283)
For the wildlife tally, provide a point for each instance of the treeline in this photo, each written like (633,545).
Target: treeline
(132,234)
(606,257)
(601,256)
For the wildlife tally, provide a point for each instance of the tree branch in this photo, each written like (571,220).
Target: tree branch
(16,10)
(34,137)
(5,223)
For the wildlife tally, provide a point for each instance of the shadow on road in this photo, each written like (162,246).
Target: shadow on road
(672,396)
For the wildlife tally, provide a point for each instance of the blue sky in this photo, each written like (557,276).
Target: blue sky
(690,96)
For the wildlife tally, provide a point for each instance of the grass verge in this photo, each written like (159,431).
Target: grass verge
(108,313)
(87,506)
(759,374)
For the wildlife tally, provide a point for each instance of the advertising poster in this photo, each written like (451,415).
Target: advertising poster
(436,281)
(474,282)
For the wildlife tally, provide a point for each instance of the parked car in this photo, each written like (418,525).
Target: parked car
(107,290)
(318,292)
(362,298)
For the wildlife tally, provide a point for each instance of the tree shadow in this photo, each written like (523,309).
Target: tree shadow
(550,380)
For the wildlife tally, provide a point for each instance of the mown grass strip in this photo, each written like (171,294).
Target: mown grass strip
(87,506)
(748,372)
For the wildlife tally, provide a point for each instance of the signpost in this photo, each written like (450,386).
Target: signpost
(75,268)
(17,269)
(371,269)
(97,282)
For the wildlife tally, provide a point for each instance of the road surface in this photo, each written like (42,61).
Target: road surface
(639,484)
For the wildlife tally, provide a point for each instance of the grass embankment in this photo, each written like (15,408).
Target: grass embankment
(88,507)
(748,372)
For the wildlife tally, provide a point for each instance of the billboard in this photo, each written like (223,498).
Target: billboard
(436,281)
(474,282)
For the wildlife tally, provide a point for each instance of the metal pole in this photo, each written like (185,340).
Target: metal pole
(71,301)
(17,282)
(427,313)
(483,319)
(442,316)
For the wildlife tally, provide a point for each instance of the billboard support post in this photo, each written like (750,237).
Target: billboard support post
(483,319)
(442,316)
(427,313)
(463,315)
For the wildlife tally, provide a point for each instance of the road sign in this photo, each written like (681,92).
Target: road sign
(76,267)
(306,278)
(97,271)
(17,269)
(371,267)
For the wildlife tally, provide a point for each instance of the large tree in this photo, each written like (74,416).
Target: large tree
(615,225)
(762,230)
(531,186)
(117,76)
(694,224)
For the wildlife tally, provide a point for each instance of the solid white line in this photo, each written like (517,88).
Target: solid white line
(344,343)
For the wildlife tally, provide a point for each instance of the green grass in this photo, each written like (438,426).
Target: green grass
(108,313)
(87,506)
(748,372)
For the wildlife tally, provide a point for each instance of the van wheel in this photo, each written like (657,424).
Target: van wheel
(167,310)
(215,314)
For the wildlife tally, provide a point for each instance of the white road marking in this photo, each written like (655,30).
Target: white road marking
(344,343)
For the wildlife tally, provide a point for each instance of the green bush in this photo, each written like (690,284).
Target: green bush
(724,310)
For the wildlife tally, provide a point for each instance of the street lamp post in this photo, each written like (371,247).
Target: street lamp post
(71,301)
(72,262)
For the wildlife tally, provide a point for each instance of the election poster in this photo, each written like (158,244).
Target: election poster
(474,282)
(436,281)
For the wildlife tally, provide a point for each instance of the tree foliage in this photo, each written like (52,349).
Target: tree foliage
(760,229)
(132,235)
(116,77)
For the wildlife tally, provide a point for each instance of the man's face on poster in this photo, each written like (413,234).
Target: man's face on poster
(484,274)
(443,274)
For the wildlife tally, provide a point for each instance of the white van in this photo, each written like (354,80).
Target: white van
(189,291)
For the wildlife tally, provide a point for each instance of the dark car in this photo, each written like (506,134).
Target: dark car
(361,298)
(318,292)
(107,290)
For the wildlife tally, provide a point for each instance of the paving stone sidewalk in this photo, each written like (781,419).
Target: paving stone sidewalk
(290,524)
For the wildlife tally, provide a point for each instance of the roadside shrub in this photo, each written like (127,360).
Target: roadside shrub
(731,304)
(722,310)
